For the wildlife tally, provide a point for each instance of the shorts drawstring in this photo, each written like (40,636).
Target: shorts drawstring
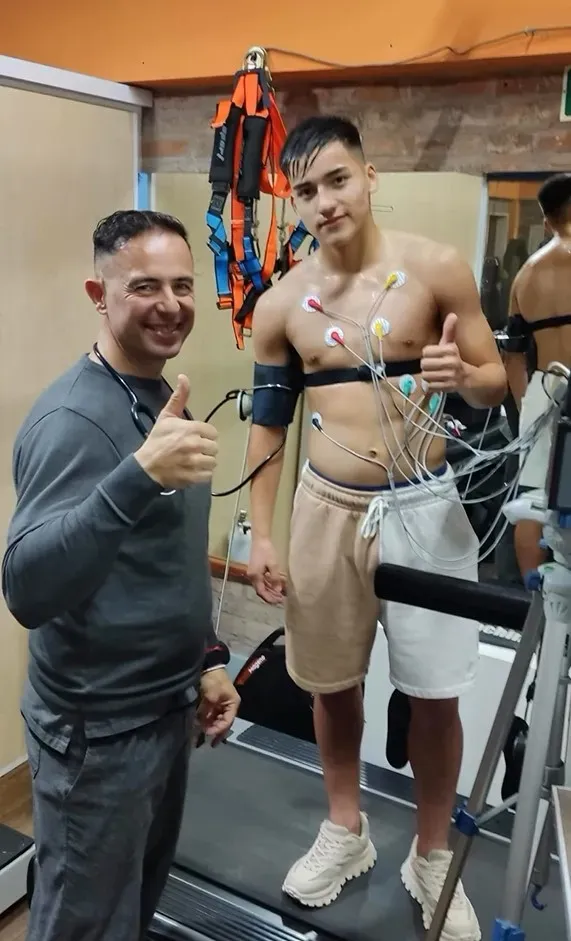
(372,523)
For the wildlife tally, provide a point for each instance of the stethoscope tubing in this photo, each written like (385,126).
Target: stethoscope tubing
(139,408)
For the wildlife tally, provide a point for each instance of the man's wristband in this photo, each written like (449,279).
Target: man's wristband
(220,666)
(216,656)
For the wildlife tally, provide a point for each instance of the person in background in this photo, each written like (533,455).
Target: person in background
(540,310)
(107,567)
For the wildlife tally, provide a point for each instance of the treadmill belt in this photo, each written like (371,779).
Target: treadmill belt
(249,816)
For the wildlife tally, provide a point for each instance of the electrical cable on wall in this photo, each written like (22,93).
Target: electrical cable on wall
(531,32)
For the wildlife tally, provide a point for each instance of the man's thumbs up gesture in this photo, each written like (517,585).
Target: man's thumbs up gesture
(178,452)
(442,366)
(178,401)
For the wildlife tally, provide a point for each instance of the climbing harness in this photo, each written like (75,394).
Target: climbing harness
(296,238)
(249,134)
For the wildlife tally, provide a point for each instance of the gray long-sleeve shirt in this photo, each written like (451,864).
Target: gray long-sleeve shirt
(110,577)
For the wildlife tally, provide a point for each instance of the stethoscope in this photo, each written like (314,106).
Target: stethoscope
(242,397)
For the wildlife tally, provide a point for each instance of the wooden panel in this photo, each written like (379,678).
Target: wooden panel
(513,189)
(16,799)
(13,924)
(442,206)
(64,164)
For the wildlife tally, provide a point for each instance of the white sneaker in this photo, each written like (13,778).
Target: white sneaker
(336,856)
(424,879)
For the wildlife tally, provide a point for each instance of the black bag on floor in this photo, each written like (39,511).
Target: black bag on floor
(269,696)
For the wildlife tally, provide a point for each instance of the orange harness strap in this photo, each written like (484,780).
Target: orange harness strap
(249,136)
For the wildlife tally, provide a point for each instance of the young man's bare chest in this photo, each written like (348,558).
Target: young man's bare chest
(389,313)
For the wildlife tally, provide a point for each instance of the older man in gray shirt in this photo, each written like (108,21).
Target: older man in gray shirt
(107,567)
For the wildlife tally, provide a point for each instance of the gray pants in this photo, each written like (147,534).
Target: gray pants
(107,816)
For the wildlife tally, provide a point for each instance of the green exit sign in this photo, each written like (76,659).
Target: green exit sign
(566,96)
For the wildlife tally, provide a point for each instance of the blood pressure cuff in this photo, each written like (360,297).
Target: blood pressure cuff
(275,394)
(515,339)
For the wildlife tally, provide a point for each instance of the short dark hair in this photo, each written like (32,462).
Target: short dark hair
(305,141)
(113,232)
(554,196)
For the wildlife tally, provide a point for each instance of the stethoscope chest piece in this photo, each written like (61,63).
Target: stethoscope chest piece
(244,405)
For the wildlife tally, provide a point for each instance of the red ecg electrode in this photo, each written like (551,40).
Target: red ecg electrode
(314,304)
(335,335)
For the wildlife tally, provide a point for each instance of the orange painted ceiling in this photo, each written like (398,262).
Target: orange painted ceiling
(179,42)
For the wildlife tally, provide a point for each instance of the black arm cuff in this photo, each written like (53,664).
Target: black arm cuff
(515,339)
(275,393)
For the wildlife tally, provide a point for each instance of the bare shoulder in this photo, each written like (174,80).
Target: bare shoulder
(285,292)
(279,301)
(272,313)
(425,256)
(522,276)
(541,259)
(444,272)
(269,304)
(545,256)
(536,275)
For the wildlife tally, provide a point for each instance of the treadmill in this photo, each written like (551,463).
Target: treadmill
(254,806)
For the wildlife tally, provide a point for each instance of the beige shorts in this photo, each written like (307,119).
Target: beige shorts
(338,536)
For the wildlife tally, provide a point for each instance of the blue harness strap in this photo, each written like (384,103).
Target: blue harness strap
(250,265)
(218,240)
(292,244)
(221,175)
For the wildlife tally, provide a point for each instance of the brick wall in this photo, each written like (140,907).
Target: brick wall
(506,124)
(246,619)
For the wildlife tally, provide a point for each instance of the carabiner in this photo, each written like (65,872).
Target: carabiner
(257,58)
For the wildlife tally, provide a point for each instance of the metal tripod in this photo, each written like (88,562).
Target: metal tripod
(547,626)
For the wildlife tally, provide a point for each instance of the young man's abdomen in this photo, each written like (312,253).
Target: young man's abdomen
(349,416)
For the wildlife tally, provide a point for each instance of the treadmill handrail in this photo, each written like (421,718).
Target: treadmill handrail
(500,605)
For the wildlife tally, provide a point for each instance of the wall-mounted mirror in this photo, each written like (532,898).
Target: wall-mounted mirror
(514,230)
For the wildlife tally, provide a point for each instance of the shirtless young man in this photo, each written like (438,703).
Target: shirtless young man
(345,512)
(540,306)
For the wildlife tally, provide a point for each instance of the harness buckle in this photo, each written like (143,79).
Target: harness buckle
(256,59)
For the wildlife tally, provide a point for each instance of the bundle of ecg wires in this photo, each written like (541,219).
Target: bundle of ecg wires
(424,417)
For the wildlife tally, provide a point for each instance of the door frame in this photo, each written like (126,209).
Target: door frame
(60,83)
